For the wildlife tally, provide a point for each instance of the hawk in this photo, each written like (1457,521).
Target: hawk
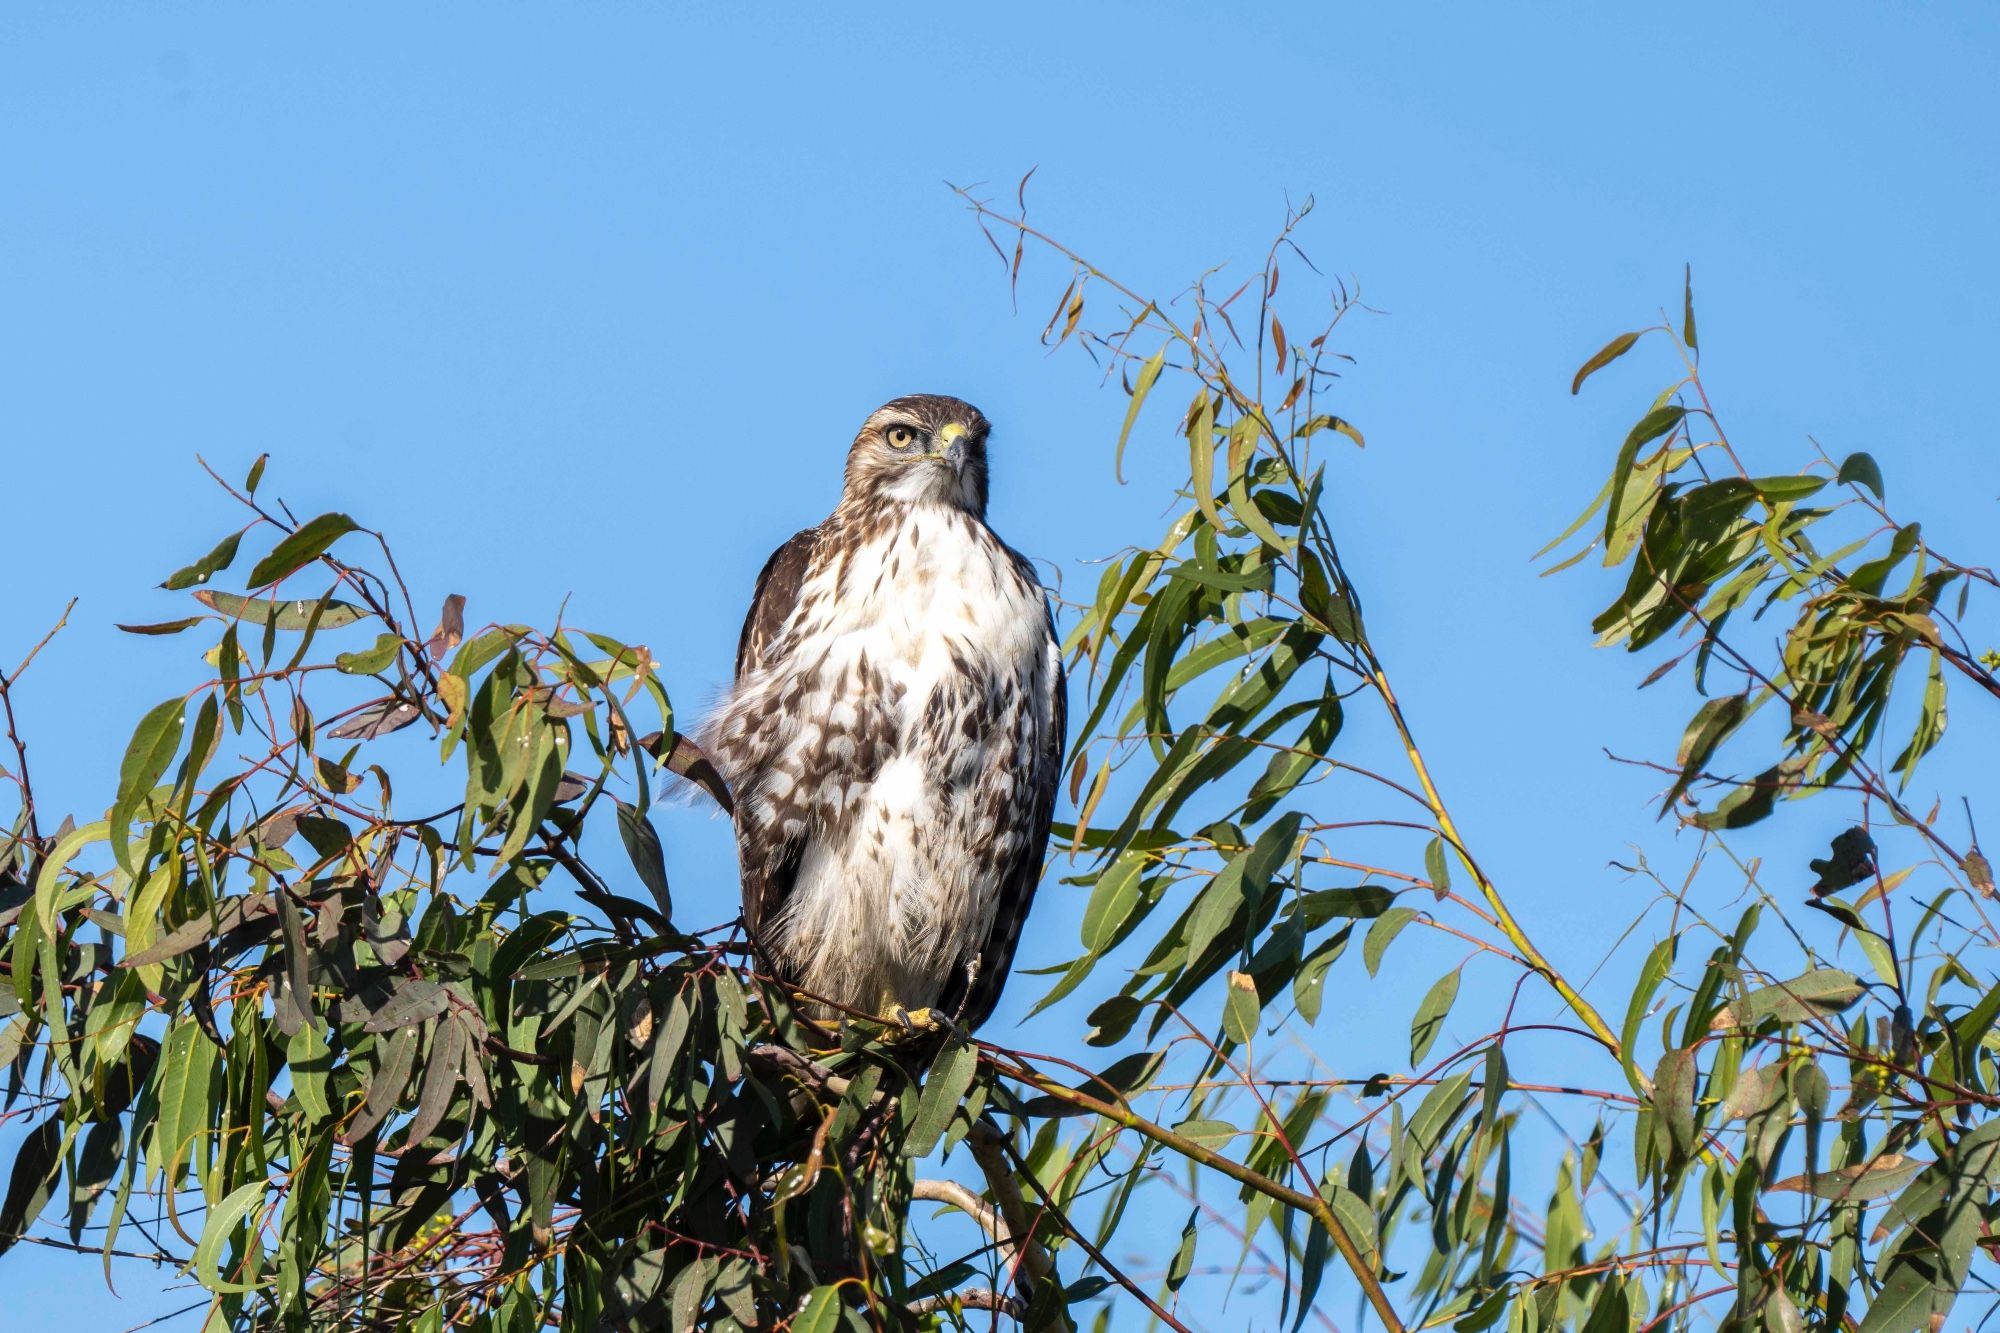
(894,737)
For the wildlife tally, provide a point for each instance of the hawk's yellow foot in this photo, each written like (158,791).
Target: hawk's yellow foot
(917,1023)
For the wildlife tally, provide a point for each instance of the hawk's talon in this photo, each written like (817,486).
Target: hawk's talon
(922,1022)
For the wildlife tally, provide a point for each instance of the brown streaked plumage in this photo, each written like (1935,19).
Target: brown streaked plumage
(895,732)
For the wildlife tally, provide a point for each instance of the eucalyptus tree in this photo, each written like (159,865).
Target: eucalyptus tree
(346,1056)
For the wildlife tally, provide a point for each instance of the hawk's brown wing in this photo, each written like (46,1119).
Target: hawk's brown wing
(768,870)
(1024,874)
(777,593)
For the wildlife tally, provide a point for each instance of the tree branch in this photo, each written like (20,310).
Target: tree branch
(963,1199)
(1022,1250)
(973,1298)
(14,730)
(1362,1264)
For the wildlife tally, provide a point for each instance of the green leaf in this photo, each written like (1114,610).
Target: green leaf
(1114,1083)
(1859,469)
(222,1221)
(1352,1212)
(1332,423)
(164,626)
(1363,902)
(152,747)
(1485,1314)
(102,1150)
(642,845)
(1231,642)
(1201,457)
(944,1089)
(1240,884)
(1112,900)
(203,569)
(1752,801)
(1211,1134)
(440,1081)
(32,1182)
(1858,1183)
(370,660)
(222,918)
(385,1085)
(290,615)
(1673,1097)
(414,1001)
(1651,973)
(1879,955)
(1183,1261)
(1687,307)
(1222,581)
(668,1038)
(1436,867)
(1610,352)
(48,880)
(1816,994)
(1494,1080)
(1148,373)
(1431,1013)
(1289,766)
(1243,438)
(1329,608)
(1904,1303)
(820,1313)
(1658,422)
(1612,1310)
(183,1084)
(1241,1008)
(1930,725)
(1437,1111)
(1110,1022)
(1868,578)
(309,1058)
(1711,725)
(1753,1090)
(1778,490)
(1309,986)
(1972,1027)
(311,540)
(1386,928)
(12,1037)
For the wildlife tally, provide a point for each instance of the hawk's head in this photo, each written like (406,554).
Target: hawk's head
(924,448)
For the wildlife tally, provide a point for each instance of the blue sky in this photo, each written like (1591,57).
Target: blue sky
(585,302)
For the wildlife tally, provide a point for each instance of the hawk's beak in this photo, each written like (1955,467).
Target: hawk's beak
(948,446)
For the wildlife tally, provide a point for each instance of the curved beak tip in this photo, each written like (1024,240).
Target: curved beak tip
(949,445)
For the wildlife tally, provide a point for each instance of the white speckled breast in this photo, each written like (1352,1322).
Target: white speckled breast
(914,685)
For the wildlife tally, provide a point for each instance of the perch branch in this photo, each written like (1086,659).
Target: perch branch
(973,1298)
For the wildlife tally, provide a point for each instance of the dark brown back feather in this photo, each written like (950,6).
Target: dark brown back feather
(768,872)
(777,593)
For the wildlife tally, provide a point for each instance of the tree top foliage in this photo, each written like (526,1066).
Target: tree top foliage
(366,1002)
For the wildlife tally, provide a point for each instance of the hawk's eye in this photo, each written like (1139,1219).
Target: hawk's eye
(902,437)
